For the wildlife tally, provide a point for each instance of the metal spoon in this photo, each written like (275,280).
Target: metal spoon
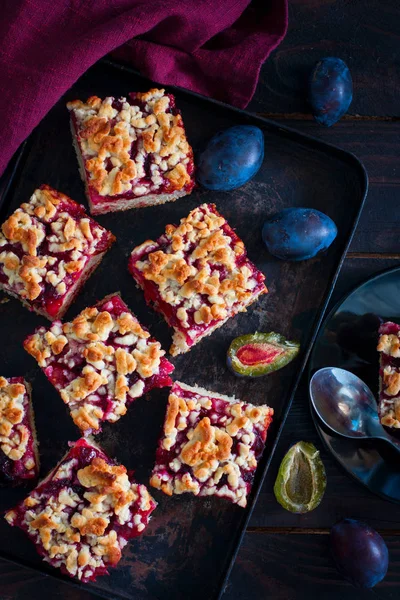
(347,406)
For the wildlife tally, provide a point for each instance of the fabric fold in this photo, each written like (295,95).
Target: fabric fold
(215,48)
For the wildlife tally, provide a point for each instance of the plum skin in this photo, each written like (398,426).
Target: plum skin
(231,158)
(330,90)
(290,350)
(298,233)
(359,552)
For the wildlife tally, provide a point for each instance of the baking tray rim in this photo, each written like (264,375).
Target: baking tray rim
(298,137)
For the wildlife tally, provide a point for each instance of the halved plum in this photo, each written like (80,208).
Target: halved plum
(257,354)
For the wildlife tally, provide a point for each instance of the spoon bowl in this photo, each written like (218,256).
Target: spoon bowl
(346,405)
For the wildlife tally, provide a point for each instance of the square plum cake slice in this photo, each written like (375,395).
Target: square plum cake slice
(100,362)
(197,275)
(389,374)
(133,151)
(19,457)
(83,513)
(48,249)
(210,444)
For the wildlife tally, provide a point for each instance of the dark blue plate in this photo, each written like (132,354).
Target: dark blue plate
(348,339)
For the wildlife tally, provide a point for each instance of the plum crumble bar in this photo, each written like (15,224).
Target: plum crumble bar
(48,249)
(197,275)
(83,514)
(19,457)
(210,444)
(100,362)
(389,374)
(133,151)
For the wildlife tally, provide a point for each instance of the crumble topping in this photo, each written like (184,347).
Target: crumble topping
(391,381)
(389,344)
(389,394)
(47,242)
(14,436)
(136,145)
(108,358)
(18,460)
(82,516)
(199,268)
(218,437)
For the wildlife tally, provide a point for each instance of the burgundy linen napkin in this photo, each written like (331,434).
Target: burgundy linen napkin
(214,47)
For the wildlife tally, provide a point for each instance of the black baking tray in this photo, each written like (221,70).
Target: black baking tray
(191,543)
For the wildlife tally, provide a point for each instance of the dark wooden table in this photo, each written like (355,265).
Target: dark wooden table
(285,556)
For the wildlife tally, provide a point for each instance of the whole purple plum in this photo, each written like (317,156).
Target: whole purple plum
(359,552)
(330,90)
(298,233)
(232,157)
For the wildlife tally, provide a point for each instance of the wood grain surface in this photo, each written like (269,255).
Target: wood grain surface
(285,556)
(364,33)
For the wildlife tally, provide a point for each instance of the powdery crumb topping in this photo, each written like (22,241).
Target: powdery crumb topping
(83,521)
(107,357)
(14,435)
(217,437)
(118,137)
(200,268)
(46,242)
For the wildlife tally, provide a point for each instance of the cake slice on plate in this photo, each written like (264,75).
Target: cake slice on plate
(197,275)
(210,445)
(48,249)
(389,374)
(100,362)
(19,457)
(132,152)
(83,513)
